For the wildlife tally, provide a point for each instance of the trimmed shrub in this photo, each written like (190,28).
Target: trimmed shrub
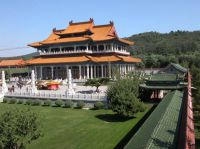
(12,101)
(20,101)
(80,105)
(122,97)
(5,100)
(59,103)
(68,104)
(47,103)
(99,105)
(36,102)
(29,102)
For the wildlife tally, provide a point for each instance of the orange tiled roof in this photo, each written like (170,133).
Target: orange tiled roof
(78,27)
(79,59)
(12,63)
(57,60)
(104,58)
(102,32)
(130,59)
(64,40)
(126,41)
(98,33)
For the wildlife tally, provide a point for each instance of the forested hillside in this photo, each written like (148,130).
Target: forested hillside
(25,57)
(158,49)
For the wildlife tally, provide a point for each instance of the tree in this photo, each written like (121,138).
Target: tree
(97,82)
(18,128)
(122,97)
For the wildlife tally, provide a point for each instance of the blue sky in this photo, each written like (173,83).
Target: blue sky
(26,21)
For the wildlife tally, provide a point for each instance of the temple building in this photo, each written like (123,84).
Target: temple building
(89,50)
(14,67)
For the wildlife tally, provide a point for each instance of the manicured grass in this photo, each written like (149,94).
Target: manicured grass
(76,128)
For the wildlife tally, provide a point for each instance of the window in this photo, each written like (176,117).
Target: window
(55,49)
(101,47)
(94,48)
(108,47)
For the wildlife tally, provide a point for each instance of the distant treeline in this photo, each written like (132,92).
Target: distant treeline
(159,49)
(25,57)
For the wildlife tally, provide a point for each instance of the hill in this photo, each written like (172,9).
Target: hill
(158,49)
(25,57)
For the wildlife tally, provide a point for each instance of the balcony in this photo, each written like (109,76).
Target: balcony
(64,52)
(85,51)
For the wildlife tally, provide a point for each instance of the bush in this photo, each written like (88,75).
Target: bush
(29,102)
(97,82)
(59,103)
(12,101)
(122,97)
(20,101)
(68,104)
(5,100)
(19,128)
(99,105)
(47,103)
(80,104)
(36,102)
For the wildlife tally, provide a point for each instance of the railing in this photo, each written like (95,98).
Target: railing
(65,52)
(81,51)
(49,95)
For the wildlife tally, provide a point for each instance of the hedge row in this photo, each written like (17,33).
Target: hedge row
(57,103)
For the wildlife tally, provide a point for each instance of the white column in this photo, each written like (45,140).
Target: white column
(75,48)
(133,67)
(109,70)
(83,71)
(52,72)
(97,47)
(41,73)
(125,69)
(35,69)
(67,68)
(102,70)
(91,71)
(112,48)
(104,47)
(120,69)
(80,73)
(95,72)
(87,47)
(129,68)
(88,72)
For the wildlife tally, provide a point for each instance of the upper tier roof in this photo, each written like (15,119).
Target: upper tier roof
(79,27)
(88,30)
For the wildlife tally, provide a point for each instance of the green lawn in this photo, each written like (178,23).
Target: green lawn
(76,128)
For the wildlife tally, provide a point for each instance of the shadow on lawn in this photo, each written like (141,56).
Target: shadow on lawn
(113,118)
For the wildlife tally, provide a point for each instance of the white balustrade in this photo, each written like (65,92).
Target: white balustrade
(76,96)
(86,51)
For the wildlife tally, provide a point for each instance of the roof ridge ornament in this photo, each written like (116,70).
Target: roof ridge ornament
(54,29)
(111,23)
(91,20)
(71,22)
